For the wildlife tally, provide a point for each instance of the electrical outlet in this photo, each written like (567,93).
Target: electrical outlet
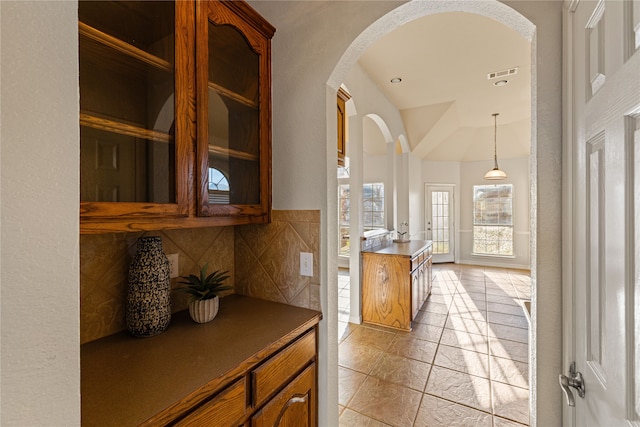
(306,264)
(173,265)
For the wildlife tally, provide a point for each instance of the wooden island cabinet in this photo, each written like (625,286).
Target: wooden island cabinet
(396,281)
(253,365)
(175,115)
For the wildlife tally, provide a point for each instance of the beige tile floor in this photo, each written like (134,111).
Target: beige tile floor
(465,363)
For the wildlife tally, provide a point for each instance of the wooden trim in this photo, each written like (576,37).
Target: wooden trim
(185,104)
(123,47)
(343,94)
(144,219)
(250,15)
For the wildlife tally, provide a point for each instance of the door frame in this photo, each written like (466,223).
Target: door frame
(568,203)
(452,217)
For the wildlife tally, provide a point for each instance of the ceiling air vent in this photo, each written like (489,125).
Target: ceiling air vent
(503,73)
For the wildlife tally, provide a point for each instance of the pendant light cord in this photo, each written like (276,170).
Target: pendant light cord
(495,140)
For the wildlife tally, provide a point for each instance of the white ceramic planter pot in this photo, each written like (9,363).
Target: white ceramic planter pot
(204,311)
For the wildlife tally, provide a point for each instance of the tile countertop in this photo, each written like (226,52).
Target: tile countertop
(126,380)
(410,249)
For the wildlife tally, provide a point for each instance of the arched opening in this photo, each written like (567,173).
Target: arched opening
(415,10)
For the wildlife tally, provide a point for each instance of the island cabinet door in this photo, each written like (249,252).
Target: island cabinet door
(294,406)
(386,290)
(416,290)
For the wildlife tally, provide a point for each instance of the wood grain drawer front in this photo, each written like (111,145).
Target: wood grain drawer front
(226,409)
(294,406)
(279,370)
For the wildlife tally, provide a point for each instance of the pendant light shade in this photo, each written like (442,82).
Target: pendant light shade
(495,173)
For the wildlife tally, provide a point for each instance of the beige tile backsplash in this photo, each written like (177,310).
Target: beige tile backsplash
(267,258)
(263,261)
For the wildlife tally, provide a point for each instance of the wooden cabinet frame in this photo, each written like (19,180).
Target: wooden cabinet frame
(191,208)
(343,97)
(257,33)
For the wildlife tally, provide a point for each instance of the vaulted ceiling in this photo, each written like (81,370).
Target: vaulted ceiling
(445,97)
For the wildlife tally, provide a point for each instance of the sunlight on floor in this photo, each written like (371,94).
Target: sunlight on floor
(465,363)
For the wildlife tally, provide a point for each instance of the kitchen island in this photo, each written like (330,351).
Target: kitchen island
(396,281)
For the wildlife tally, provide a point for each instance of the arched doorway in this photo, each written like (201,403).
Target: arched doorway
(415,10)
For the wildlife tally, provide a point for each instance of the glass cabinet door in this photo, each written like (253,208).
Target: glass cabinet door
(233,105)
(129,136)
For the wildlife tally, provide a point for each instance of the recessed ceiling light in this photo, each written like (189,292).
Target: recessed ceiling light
(501,82)
(396,80)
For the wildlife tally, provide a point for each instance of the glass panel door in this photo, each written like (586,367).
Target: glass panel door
(126,78)
(234,114)
(233,104)
(439,220)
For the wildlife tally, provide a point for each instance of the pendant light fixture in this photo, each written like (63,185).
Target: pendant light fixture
(495,173)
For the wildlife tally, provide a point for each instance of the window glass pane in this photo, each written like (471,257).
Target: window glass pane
(372,211)
(373,206)
(493,219)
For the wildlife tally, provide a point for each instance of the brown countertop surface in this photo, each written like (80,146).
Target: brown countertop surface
(127,380)
(410,249)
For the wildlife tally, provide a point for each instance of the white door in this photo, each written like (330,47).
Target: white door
(604,87)
(439,220)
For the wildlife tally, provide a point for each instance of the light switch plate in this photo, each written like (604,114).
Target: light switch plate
(306,264)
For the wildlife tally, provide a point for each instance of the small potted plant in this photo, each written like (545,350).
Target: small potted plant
(204,291)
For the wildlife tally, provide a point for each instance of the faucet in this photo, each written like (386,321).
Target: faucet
(401,233)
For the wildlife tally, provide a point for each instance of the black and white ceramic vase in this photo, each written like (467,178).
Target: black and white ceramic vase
(149,291)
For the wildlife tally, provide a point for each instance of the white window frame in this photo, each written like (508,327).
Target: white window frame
(482,223)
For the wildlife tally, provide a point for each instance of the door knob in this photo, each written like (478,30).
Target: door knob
(575,380)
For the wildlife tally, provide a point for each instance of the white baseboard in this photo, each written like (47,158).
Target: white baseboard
(492,263)
(355,319)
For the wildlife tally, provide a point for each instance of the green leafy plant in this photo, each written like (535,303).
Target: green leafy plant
(205,287)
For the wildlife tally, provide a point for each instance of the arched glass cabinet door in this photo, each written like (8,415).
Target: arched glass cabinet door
(233,51)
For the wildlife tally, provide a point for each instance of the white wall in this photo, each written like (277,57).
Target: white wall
(472,173)
(39,142)
(464,175)
(375,168)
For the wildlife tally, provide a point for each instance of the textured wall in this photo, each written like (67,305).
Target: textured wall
(39,188)
(267,258)
(263,261)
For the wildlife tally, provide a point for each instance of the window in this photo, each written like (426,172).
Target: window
(372,211)
(493,219)
(343,219)
(218,187)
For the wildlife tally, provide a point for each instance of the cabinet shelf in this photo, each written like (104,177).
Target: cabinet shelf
(232,95)
(228,152)
(123,128)
(123,47)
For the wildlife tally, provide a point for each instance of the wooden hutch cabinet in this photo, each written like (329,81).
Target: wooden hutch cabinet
(204,375)
(175,115)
